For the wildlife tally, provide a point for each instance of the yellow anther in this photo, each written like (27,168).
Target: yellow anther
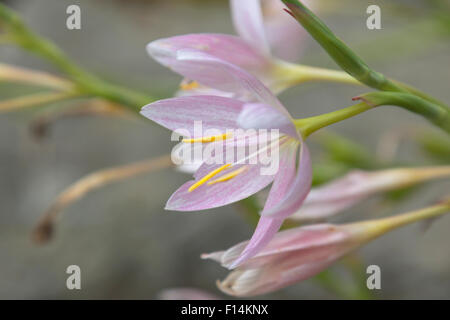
(208,139)
(208,177)
(191,85)
(229,176)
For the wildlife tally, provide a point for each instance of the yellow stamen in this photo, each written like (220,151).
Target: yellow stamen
(229,176)
(189,85)
(208,139)
(207,177)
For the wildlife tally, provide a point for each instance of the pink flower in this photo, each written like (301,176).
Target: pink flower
(356,186)
(292,256)
(298,254)
(265,25)
(262,25)
(217,185)
(181,54)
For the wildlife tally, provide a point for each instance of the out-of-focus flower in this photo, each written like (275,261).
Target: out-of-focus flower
(179,54)
(297,254)
(343,193)
(262,25)
(186,294)
(221,184)
(265,25)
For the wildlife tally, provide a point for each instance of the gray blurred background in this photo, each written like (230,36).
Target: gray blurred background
(127,246)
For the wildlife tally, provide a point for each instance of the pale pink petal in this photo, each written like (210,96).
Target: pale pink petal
(310,212)
(225,47)
(268,226)
(180,113)
(263,116)
(219,194)
(264,232)
(258,281)
(200,90)
(298,191)
(248,21)
(323,238)
(285,36)
(219,74)
(292,256)
(343,193)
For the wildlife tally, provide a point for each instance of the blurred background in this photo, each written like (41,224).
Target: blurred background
(126,245)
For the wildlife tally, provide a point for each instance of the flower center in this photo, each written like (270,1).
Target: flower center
(228,176)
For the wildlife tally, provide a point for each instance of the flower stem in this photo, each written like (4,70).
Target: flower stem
(35,99)
(348,60)
(293,74)
(46,224)
(12,73)
(86,83)
(437,114)
(312,124)
(381,226)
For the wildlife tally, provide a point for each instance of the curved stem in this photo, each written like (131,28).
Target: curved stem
(293,74)
(312,124)
(381,226)
(437,114)
(44,228)
(12,73)
(85,82)
(344,56)
(35,99)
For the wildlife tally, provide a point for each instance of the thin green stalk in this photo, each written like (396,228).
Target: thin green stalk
(345,57)
(312,124)
(86,82)
(382,226)
(437,114)
(293,74)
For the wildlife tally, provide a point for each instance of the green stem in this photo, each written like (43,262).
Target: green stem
(344,56)
(381,226)
(417,92)
(86,82)
(312,124)
(437,114)
(293,74)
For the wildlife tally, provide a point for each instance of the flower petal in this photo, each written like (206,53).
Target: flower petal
(285,36)
(219,74)
(298,191)
(251,282)
(219,194)
(225,47)
(284,242)
(199,90)
(264,232)
(248,21)
(215,112)
(263,116)
(267,226)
